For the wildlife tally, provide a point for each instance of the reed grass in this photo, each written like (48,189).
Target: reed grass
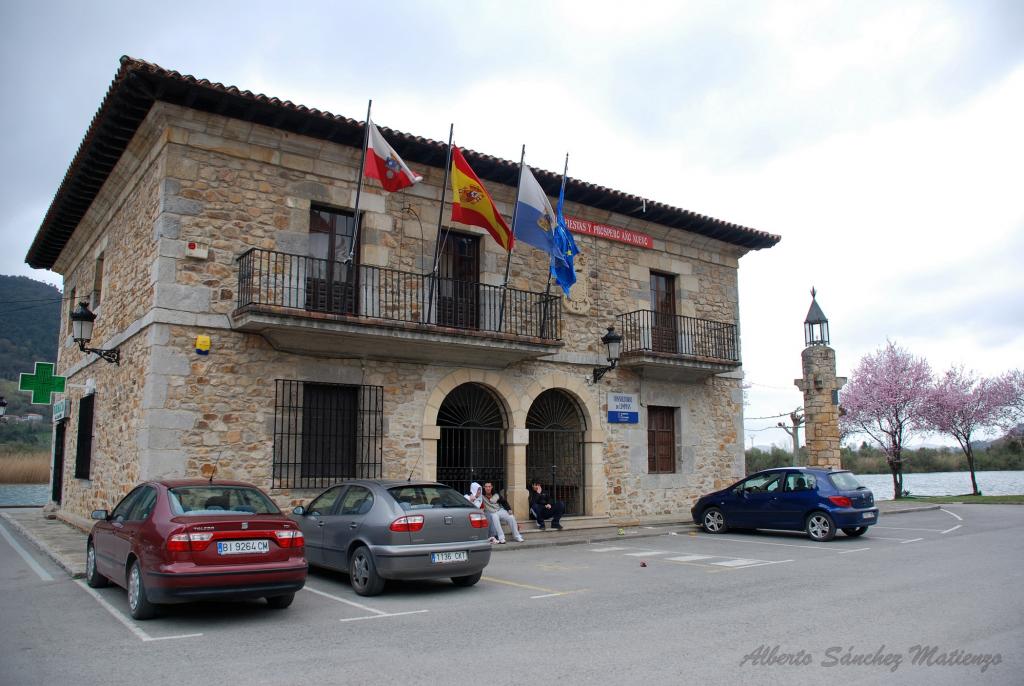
(18,467)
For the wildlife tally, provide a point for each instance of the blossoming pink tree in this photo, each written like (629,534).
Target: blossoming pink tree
(884,399)
(963,405)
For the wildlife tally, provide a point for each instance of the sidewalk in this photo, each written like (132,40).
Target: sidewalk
(65,544)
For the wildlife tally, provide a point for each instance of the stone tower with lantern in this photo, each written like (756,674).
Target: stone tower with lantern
(820,387)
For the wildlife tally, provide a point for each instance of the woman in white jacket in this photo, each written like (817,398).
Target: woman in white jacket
(495,508)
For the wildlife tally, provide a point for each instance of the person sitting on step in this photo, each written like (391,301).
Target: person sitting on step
(543,507)
(498,510)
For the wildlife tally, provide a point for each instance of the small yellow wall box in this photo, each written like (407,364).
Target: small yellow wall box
(203,345)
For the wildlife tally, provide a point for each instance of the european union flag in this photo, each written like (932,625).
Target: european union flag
(562,268)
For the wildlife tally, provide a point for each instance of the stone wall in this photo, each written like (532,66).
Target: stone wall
(119,225)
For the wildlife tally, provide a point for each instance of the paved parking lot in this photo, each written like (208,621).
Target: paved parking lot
(673,607)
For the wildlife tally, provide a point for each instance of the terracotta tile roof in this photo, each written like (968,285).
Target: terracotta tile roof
(138,84)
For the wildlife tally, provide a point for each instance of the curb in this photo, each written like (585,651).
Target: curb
(580,538)
(71,568)
(919,508)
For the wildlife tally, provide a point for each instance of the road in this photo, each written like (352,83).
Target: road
(942,587)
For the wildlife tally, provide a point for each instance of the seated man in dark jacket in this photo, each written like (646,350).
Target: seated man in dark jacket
(543,507)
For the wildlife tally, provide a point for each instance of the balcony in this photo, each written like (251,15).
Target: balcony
(328,308)
(677,348)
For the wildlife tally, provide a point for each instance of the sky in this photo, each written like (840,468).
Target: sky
(882,140)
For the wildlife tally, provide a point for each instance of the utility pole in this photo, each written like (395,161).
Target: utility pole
(797,418)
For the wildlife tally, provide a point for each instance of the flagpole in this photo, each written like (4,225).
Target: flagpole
(508,261)
(440,218)
(547,290)
(359,185)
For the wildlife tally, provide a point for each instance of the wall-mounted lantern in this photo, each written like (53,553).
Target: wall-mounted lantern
(82,321)
(613,342)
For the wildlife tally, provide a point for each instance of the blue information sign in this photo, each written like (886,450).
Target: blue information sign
(622,409)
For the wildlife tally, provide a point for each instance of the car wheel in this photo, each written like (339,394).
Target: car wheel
(280,602)
(363,573)
(854,531)
(467,580)
(138,602)
(92,577)
(713,521)
(820,527)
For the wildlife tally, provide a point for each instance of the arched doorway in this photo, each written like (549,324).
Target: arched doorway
(472,441)
(555,454)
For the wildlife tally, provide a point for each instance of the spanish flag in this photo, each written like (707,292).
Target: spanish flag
(471,204)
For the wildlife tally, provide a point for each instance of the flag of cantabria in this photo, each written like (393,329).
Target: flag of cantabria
(471,204)
(384,164)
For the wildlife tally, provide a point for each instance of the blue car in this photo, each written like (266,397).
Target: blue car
(817,501)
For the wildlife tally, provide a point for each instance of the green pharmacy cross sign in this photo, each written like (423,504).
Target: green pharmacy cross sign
(42,384)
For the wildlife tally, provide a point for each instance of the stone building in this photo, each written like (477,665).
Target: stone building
(194,209)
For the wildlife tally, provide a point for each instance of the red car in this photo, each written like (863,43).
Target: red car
(178,541)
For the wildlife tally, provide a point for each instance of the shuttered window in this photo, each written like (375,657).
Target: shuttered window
(661,440)
(83,456)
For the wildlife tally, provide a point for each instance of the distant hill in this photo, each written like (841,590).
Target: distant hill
(30,313)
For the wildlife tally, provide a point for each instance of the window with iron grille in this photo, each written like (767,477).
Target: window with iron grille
(326,432)
(661,440)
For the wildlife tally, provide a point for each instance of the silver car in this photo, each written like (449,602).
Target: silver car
(377,530)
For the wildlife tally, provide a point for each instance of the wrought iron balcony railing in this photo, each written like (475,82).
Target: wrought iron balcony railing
(307,285)
(648,331)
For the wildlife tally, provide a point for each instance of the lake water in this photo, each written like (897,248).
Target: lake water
(946,483)
(24,494)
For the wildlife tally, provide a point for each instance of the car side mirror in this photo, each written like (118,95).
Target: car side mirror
(299,510)
(100,515)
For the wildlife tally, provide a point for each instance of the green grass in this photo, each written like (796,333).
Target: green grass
(971,499)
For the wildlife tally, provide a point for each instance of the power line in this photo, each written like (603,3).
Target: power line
(774,416)
(21,309)
(32,300)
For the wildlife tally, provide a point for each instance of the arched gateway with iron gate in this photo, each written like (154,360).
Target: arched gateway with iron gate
(555,454)
(472,441)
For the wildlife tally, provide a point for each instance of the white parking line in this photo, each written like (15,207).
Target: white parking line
(132,626)
(785,545)
(953,529)
(736,563)
(309,588)
(887,538)
(913,540)
(648,553)
(690,558)
(951,514)
(855,550)
(29,560)
(763,564)
(907,528)
(553,595)
(377,614)
(386,614)
(606,550)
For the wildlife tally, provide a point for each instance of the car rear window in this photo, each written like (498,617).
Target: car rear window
(215,500)
(419,497)
(844,481)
